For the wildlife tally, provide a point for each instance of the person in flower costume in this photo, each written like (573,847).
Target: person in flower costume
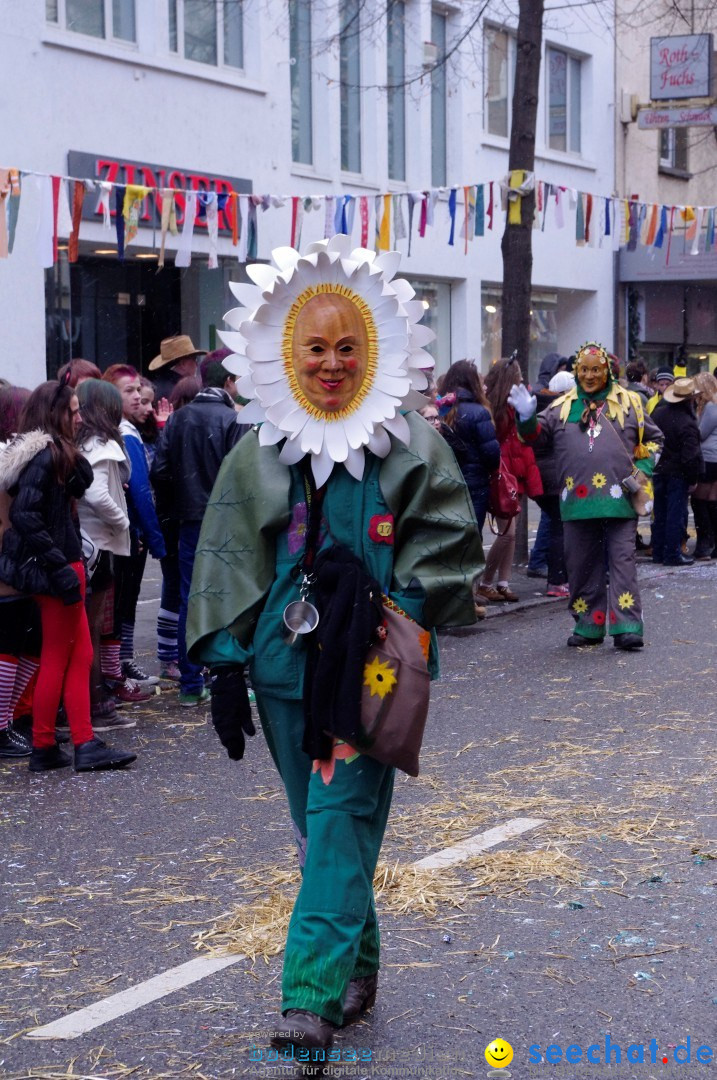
(329,353)
(600,435)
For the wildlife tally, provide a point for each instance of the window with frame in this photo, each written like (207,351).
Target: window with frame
(564,73)
(439,147)
(499,68)
(301,100)
(350,75)
(113,20)
(396,94)
(208,31)
(673,149)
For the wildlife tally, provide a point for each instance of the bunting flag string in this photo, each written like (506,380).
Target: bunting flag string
(78,198)
(364,220)
(243,226)
(599,220)
(168,221)
(13,207)
(4,196)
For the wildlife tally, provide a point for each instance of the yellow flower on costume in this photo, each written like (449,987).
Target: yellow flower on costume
(580,606)
(599,480)
(569,483)
(625,600)
(649,489)
(380,677)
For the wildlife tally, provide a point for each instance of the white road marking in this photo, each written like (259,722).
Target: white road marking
(126,1001)
(475,844)
(79,1023)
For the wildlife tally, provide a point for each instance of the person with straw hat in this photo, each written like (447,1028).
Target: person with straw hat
(177,357)
(677,472)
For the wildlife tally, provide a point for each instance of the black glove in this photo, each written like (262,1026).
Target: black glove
(66,585)
(231,711)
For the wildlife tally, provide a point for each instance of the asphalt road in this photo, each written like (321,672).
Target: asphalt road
(598,924)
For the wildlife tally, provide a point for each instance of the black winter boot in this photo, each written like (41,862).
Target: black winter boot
(96,754)
(628,642)
(13,745)
(703,525)
(712,509)
(44,758)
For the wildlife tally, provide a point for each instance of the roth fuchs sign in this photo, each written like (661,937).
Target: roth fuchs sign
(119,170)
(680,67)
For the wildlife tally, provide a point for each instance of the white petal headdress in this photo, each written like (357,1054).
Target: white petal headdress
(261,340)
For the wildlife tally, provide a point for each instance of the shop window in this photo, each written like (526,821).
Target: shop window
(350,69)
(208,31)
(673,151)
(439,147)
(543,328)
(564,101)
(436,299)
(396,88)
(499,67)
(300,69)
(111,19)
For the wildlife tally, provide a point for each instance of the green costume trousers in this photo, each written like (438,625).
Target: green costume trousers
(333,934)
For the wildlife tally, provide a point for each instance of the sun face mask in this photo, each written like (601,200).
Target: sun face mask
(333,340)
(328,351)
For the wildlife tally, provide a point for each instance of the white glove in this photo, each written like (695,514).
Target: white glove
(522,401)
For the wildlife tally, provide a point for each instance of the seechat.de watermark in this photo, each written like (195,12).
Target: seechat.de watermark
(607,1052)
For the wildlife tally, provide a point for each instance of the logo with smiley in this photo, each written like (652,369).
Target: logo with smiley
(499,1053)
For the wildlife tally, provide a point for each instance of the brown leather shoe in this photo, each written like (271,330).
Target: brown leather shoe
(506,593)
(487,592)
(360,996)
(304,1029)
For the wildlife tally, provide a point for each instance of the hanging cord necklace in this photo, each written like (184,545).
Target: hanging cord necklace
(590,421)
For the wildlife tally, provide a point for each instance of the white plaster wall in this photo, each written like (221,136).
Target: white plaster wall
(70,92)
(636,150)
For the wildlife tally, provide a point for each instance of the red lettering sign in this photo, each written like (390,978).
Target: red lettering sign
(157,177)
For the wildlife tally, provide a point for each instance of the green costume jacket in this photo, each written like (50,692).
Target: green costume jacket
(410,520)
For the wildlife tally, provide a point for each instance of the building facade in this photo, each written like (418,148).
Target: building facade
(667,296)
(279,100)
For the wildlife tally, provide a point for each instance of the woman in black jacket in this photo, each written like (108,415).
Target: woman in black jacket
(469,431)
(471,435)
(42,556)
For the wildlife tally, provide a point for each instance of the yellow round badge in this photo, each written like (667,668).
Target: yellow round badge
(499,1053)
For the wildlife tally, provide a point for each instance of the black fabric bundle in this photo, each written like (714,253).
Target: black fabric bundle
(350,609)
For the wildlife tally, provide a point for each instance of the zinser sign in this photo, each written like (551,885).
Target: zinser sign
(680,67)
(122,171)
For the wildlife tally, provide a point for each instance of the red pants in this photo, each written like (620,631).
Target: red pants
(64,674)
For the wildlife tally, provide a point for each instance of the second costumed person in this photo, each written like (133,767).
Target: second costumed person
(601,438)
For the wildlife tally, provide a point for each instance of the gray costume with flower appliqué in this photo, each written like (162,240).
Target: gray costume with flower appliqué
(598,517)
